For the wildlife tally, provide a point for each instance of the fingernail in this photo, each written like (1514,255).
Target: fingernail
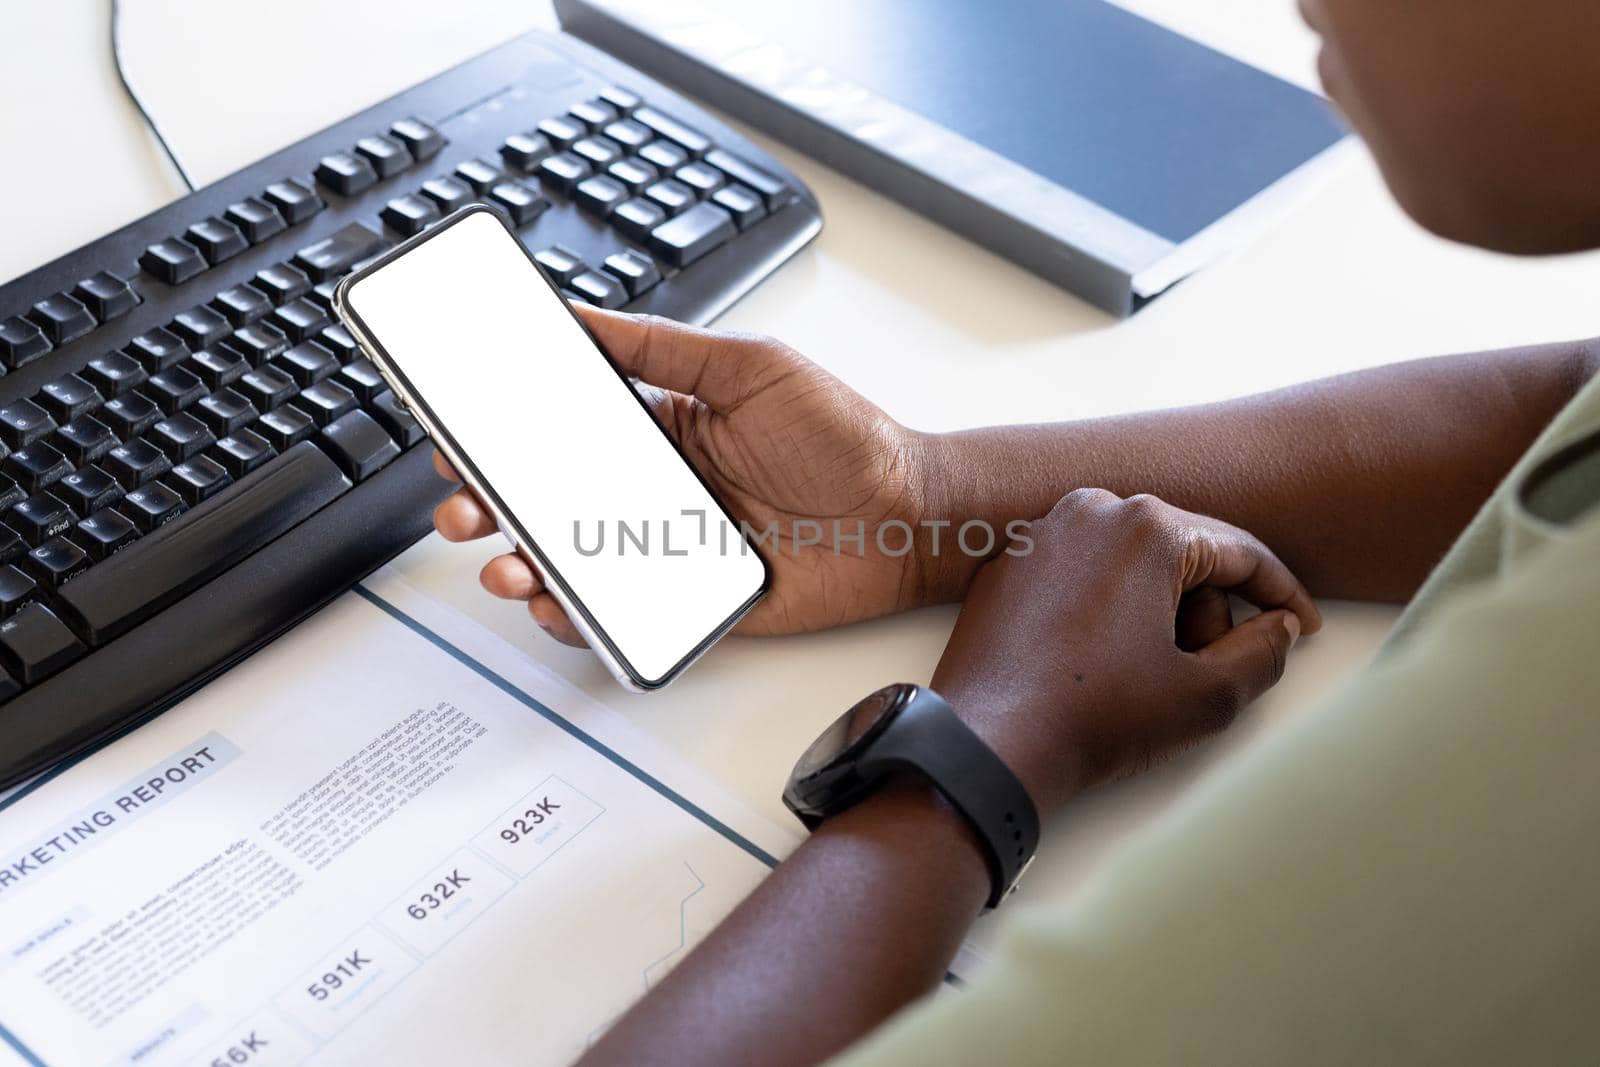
(1291,622)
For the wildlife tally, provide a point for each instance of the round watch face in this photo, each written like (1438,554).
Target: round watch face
(851,730)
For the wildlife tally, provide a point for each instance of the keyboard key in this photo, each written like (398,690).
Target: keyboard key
(561,130)
(691,141)
(362,379)
(21,342)
(36,466)
(256,219)
(520,202)
(325,402)
(242,452)
(559,262)
(387,155)
(420,139)
(103,533)
(225,411)
(151,506)
(282,283)
(480,174)
(181,436)
(346,174)
(600,289)
(742,203)
(157,350)
(267,387)
(106,295)
(34,644)
(335,255)
(114,373)
(84,440)
(40,517)
(307,363)
(671,195)
(448,193)
(295,200)
(409,214)
(198,479)
(87,490)
(593,113)
(337,339)
(700,177)
(772,189)
(599,151)
(12,546)
(663,154)
(693,234)
(357,444)
(257,343)
(300,319)
(53,562)
(399,423)
(11,495)
(149,574)
(135,463)
(199,327)
(217,239)
(637,273)
(634,173)
(217,367)
(241,304)
(523,151)
(174,389)
(285,427)
(173,260)
(621,99)
(322,293)
(129,415)
(637,217)
(68,397)
(23,422)
(629,134)
(63,318)
(16,589)
(564,170)
(600,194)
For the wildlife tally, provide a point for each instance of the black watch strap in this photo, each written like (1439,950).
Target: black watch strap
(928,737)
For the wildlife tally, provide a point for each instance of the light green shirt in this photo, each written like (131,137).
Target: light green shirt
(1409,873)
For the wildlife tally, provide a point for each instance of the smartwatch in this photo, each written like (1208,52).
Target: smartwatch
(907,727)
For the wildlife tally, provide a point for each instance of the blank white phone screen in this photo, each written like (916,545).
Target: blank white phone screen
(503,368)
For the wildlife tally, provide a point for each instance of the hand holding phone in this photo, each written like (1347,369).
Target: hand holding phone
(555,443)
(791,449)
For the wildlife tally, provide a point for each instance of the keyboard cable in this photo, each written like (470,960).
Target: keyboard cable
(155,128)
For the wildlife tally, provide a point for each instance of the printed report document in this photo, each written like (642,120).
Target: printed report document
(387,838)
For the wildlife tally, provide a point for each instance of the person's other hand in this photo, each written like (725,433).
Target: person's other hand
(781,441)
(1111,643)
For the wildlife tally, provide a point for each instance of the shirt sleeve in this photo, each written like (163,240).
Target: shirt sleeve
(1407,873)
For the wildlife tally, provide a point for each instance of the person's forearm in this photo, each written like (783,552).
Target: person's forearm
(1359,483)
(862,919)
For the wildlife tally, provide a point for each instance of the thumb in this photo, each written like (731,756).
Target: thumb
(720,369)
(1250,658)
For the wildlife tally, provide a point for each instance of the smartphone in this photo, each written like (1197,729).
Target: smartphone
(556,443)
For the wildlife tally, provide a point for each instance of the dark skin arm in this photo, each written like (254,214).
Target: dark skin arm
(1123,597)
(1359,482)
(861,920)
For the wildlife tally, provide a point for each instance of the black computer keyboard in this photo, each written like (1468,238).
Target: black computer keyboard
(196,455)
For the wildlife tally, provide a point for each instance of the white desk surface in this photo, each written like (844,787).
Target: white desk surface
(940,332)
